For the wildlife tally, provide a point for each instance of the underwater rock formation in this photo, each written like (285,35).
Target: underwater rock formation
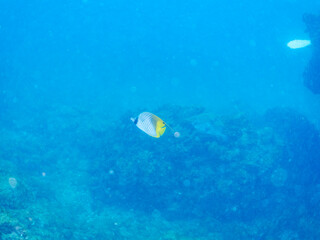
(229,167)
(227,177)
(302,143)
(312,74)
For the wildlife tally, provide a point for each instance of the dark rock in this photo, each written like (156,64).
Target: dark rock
(312,73)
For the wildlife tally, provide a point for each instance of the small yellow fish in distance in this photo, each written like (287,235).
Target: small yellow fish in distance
(152,125)
(294,44)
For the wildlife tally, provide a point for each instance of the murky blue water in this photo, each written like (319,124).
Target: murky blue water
(73,165)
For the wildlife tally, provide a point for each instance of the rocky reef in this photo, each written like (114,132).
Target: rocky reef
(312,73)
(68,173)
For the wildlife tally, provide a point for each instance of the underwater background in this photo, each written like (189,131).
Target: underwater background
(73,165)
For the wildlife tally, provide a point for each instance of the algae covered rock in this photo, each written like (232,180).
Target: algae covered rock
(227,176)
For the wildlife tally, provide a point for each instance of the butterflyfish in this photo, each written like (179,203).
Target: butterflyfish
(294,44)
(152,125)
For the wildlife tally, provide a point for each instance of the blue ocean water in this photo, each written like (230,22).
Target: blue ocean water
(73,165)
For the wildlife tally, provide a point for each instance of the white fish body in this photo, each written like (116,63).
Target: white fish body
(294,44)
(150,124)
(147,123)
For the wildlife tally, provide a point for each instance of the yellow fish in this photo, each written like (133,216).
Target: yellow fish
(152,125)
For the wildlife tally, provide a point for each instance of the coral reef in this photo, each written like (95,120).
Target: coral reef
(84,175)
